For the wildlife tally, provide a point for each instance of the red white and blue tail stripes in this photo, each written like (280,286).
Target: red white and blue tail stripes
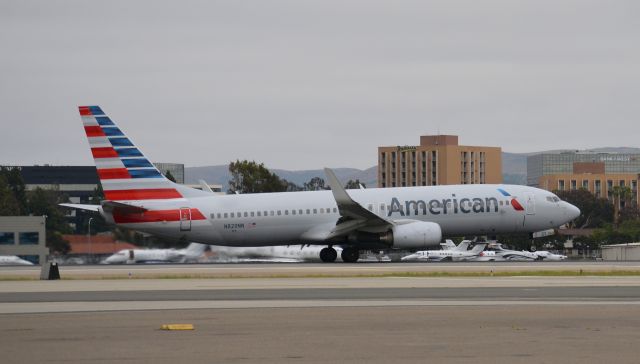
(125,173)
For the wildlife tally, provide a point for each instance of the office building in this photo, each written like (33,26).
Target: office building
(597,173)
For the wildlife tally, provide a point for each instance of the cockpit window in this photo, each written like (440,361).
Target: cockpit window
(553,199)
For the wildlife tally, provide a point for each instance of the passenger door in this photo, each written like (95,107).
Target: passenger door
(185,219)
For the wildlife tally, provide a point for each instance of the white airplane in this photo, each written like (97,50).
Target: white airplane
(130,256)
(451,254)
(497,253)
(546,255)
(13,260)
(139,197)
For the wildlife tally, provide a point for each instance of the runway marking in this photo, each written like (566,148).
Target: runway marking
(62,307)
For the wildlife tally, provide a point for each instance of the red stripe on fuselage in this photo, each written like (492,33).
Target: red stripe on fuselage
(105,152)
(113,173)
(154,216)
(146,194)
(94,131)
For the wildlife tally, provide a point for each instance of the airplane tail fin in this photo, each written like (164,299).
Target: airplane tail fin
(448,244)
(464,245)
(478,248)
(125,173)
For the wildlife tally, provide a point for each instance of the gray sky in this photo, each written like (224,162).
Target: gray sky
(306,84)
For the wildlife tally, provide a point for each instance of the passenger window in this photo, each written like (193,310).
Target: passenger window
(293,212)
(252,213)
(300,211)
(213,216)
(322,211)
(308,211)
(501,203)
(335,209)
(245,214)
(279,212)
(507,202)
(271,213)
(259,213)
(225,215)
(266,214)
(315,211)
(232,215)
(219,215)
(370,207)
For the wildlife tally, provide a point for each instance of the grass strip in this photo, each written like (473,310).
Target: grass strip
(523,273)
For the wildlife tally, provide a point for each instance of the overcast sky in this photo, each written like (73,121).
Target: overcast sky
(306,84)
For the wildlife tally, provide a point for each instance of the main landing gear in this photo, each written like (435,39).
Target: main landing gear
(328,255)
(348,255)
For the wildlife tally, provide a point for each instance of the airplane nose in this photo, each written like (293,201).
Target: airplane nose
(571,211)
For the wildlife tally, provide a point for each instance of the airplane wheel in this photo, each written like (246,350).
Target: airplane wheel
(328,255)
(350,255)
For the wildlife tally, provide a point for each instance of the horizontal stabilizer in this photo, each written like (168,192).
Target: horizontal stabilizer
(78,206)
(122,207)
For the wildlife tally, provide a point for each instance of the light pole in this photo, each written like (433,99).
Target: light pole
(89,238)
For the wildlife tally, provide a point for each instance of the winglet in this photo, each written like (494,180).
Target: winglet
(205,186)
(339,193)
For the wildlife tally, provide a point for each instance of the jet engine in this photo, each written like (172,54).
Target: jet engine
(413,235)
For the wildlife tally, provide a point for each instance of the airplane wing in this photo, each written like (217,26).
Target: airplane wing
(353,215)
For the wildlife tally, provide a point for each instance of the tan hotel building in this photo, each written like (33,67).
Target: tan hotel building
(438,160)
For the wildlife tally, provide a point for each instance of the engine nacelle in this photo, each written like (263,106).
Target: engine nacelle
(414,235)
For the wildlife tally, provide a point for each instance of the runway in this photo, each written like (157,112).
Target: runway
(579,319)
(276,270)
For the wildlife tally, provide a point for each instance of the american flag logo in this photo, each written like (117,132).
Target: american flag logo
(251,225)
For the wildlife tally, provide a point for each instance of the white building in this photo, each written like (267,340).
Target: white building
(617,252)
(24,236)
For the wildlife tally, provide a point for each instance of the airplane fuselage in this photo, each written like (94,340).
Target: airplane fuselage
(305,217)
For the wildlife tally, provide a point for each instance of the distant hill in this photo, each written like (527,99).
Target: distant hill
(220,175)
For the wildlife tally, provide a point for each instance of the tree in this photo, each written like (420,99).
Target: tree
(595,212)
(353,185)
(13,179)
(291,187)
(170,176)
(251,177)
(45,203)
(629,212)
(627,232)
(620,194)
(314,184)
(9,205)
